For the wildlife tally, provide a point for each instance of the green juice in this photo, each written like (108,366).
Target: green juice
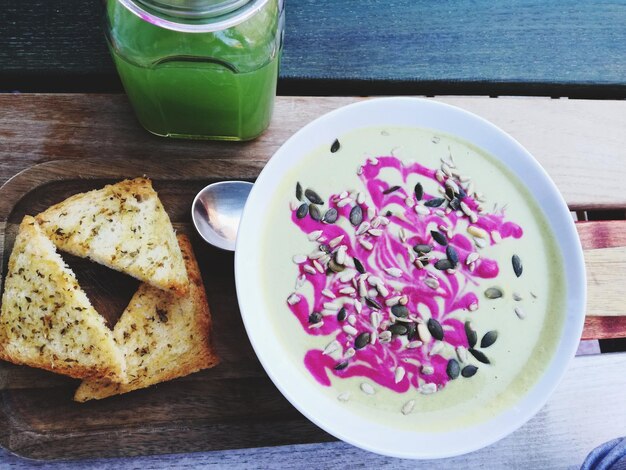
(216,85)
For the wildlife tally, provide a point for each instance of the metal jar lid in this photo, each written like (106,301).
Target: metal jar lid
(194,16)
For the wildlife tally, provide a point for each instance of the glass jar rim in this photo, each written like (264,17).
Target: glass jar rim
(199,21)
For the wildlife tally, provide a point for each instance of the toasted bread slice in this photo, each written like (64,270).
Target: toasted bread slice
(46,320)
(162,336)
(122,226)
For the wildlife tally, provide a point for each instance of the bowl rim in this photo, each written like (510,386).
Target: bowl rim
(483,134)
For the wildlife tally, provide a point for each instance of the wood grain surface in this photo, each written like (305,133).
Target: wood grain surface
(369,46)
(581,144)
(587,408)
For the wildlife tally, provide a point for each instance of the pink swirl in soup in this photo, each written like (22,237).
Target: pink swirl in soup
(388,286)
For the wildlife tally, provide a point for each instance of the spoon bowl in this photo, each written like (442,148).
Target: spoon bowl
(216,212)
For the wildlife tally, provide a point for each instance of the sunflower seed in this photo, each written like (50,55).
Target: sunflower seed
(359,266)
(299,259)
(428,370)
(394,272)
(391,189)
(421,210)
(488,339)
(391,301)
(344,202)
(479,355)
(347,290)
(469,371)
(409,201)
(414,344)
(331,347)
(375,232)
(477,232)
(520,313)
(436,349)
(517,265)
(517,297)
(367,389)
(382,290)
(435,202)
(293,299)
(350,330)
(299,191)
(365,244)
(373,280)
(358,306)
(347,276)
(350,352)
(329,294)
(480,243)
(439,237)
(432,283)
(384,336)
(342,365)
(461,353)
(335,146)
(315,235)
(472,336)
(471,258)
(493,293)
(344,396)
(399,374)
(408,407)
(446,169)
(440,176)
(428,389)
(331,306)
(300,281)
(375,319)
(362,288)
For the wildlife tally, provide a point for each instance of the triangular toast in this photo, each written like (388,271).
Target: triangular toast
(162,336)
(46,320)
(123,226)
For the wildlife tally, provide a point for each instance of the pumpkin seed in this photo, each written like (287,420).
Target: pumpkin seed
(479,355)
(315,317)
(356,215)
(435,329)
(299,191)
(452,255)
(489,338)
(330,217)
(391,189)
(517,265)
(453,369)
(398,329)
(434,202)
(443,264)
(469,371)
(472,336)
(313,197)
(373,304)
(302,211)
(362,340)
(342,314)
(335,146)
(419,191)
(422,249)
(315,213)
(400,311)
(439,237)
(493,293)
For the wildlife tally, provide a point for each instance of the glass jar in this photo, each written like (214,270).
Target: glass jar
(202,69)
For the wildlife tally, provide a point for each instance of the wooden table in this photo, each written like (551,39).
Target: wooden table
(585,134)
(562,49)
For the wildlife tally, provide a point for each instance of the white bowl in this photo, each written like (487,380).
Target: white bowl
(333,417)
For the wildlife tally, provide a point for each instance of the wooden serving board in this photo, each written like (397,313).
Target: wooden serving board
(234,405)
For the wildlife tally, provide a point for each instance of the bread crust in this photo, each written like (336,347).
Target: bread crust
(190,316)
(122,226)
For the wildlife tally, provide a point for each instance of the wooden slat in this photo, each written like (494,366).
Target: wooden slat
(581,143)
(427,47)
(587,409)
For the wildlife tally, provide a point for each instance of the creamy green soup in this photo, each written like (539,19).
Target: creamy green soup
(387,251)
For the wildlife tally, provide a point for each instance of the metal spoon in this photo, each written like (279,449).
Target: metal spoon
(216,211)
